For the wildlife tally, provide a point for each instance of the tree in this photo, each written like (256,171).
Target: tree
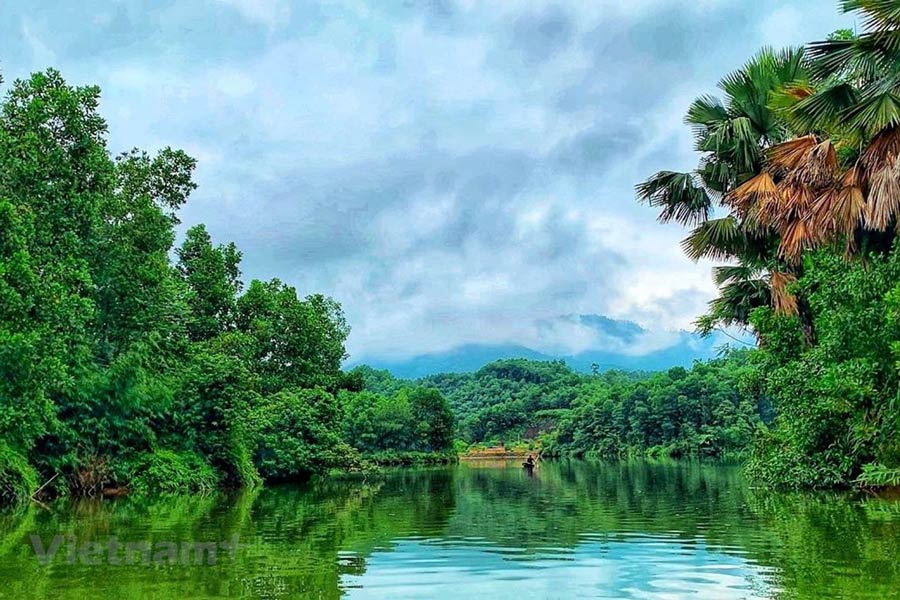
(432,419)
(212,273)
(54,174)
(297,435)
(836,181)
(297,343)
(732,137)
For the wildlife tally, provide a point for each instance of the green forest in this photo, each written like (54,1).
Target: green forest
(134,358)
(712,410)
(129,363)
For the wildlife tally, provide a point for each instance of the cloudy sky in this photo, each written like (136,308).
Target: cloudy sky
(454,172)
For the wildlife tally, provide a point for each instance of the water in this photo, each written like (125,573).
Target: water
(573,530)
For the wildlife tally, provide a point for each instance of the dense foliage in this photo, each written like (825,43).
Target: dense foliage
(710,410)
(411,425)
(119,368)
(838,419)
(811,196)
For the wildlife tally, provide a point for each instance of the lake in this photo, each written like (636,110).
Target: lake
(487,529)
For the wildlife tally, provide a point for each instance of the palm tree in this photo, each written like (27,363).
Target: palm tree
(733,137)
(839,180)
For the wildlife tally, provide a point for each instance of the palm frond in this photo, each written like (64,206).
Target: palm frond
(716,239)
(716,176)
(824,108)
(876,112)
(678,195)
(723,274)
(796,237)
(839,210)
(883,206)
(706,110)
(820,167)
(791,154)
(736,301)
(883,149)
(861,58)
(759,188)
(878,14)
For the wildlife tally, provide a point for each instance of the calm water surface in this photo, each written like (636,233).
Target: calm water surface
(573,530)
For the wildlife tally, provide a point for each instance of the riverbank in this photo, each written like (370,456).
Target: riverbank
(480,452)
(397,459)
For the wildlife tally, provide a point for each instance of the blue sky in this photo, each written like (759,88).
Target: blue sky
(453,172)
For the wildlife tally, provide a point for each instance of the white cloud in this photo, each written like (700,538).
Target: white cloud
(449,178)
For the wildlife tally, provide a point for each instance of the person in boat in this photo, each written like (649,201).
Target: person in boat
(529,462)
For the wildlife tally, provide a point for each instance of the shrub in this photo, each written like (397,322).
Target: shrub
(168,472)
(875,475)
(296,435)
(18,480)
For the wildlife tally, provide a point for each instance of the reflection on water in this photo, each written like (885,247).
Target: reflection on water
(575,529)
(632,567)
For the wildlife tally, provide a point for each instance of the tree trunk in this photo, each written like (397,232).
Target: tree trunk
(806,321)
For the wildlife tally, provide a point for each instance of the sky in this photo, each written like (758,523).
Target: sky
(453,172)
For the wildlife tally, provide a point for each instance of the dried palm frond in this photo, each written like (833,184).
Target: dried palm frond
(796,237)
(784,301)
(760,188)
(839,210)
(883,204)
(883,149)
(819,168)
(790,155)
(792,203)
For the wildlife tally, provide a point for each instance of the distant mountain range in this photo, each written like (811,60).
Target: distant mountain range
(615,354)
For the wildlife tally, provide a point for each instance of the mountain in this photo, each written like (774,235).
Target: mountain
(618,347)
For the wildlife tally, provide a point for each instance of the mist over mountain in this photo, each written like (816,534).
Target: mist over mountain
(616,344)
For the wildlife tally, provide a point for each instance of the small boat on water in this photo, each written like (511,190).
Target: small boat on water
(529,465)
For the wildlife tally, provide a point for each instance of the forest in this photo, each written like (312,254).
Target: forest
(712,410)
(130,362)
(127,363)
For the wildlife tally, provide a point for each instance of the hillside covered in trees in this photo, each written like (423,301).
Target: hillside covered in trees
(710,410)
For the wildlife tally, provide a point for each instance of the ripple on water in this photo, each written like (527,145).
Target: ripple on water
(640,566)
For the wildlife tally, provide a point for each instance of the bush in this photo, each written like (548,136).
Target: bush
(876,475)
(18,480)
(296,435)
(776,464)
(168,472)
